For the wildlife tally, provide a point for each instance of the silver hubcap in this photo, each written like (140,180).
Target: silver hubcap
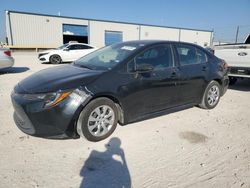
(213,95)
(101,120)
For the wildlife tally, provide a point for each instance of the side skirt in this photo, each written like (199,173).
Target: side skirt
(160,113)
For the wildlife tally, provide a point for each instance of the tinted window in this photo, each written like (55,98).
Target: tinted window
(84,47)
(190,55)
(201,56)
(79,47)
(112,37)
(159,57)
(73,47)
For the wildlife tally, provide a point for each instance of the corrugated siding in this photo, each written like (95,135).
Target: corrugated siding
(37,30)
(41,30)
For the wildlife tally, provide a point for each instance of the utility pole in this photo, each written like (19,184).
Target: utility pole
(237,33)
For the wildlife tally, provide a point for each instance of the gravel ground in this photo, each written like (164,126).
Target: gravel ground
(190,148)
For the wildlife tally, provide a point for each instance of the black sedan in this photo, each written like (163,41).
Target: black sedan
(122,83)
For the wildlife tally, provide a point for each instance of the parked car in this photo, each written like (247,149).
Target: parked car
(66,53)
(121,83)
(6,60)
(238,58)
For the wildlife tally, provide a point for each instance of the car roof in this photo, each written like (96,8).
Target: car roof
(151,42)
(73,43)
(77,43)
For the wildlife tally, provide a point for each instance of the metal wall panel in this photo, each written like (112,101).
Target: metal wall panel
(35,30)
(149,32)
(98,28)
(27,29)
(198,37)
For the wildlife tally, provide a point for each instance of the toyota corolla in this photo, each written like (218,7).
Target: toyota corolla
(121,83)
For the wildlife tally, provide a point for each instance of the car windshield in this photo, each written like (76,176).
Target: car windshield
(63,46)
(107,57)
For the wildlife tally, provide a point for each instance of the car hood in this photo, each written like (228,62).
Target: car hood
(57,78)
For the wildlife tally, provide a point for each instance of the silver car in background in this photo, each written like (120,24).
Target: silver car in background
(6,60)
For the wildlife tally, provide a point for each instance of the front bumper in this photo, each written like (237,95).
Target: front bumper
(6,62)
(44,58)
(57,122)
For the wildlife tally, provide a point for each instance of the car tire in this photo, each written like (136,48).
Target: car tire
(232,80)
(211,96)
(55,59)
(98,119)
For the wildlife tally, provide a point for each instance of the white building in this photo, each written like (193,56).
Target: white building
(30,30)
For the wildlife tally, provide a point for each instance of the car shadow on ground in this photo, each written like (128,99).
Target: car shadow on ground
(241,85)
(14,70)
(106,169)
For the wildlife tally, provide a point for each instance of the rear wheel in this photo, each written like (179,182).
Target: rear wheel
(211,96)
(98,119)
(232,80)
(55,59)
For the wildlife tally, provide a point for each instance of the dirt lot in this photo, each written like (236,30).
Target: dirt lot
(190,148)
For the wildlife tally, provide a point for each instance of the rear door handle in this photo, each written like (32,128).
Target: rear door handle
(204,68)
(173,75)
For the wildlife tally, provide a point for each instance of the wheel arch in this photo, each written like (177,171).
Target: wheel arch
(116,101)
(71,130)
(50,55)
(203,102)
(218,80)
(220,83)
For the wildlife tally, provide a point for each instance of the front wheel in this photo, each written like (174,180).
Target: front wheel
(98,119)
(211,95)
(55,59)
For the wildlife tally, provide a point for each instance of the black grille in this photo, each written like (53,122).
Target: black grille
(18,121)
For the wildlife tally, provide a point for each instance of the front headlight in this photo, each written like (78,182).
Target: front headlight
(78,96)
(49,99)
(54,99)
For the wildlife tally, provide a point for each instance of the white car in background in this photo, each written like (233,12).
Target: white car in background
(66,53)
(6,60)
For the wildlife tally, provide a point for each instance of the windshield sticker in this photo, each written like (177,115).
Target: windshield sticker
(130,48)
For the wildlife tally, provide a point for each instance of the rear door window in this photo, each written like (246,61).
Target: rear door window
(189,55)
(201,56)
(79,47)
(85,47)
(73,47)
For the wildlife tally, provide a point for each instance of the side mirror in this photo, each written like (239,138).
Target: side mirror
(65,49)
(142,68)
